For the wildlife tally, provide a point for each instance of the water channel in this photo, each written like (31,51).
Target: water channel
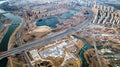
(85,47)
(4,43)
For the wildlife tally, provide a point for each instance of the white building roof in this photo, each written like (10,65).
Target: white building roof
(35,54)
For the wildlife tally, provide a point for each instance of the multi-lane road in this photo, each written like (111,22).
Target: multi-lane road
(48,39)
(19,42)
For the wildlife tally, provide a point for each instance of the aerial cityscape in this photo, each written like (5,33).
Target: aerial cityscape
(59,33)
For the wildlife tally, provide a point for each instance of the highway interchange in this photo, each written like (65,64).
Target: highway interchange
(49,38)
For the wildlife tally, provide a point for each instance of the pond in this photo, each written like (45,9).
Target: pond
(75,9)
(66,15)
(51,22)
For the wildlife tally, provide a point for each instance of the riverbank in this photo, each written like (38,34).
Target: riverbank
(4,25)
(10,44)
(3,33)
(91,58)
(15,23)
(13,36)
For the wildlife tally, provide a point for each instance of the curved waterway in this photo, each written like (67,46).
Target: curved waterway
(81,53)
(4,43)
(85,47)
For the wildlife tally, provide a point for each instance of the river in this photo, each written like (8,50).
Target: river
(81,53)
(4,43)
(85,47)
